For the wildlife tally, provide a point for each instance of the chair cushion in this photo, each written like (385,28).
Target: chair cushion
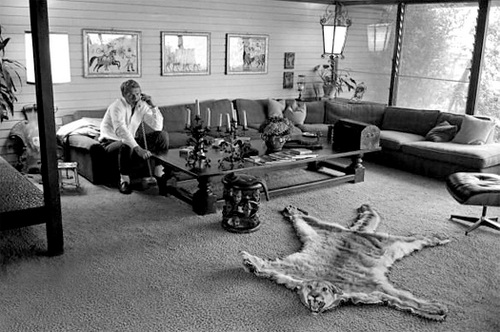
(475,188)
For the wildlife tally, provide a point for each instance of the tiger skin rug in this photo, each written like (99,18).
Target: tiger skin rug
(338,264)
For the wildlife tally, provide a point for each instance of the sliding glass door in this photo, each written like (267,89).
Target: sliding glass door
(437,47)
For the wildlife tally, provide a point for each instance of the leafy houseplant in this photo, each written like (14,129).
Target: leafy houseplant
(8,74)
(334,81)
(275,131)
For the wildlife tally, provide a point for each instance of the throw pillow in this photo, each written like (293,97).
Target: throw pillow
(443,132)
(296,112)
(473,131)
(275,108)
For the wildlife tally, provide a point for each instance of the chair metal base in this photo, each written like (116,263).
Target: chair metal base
(481,221)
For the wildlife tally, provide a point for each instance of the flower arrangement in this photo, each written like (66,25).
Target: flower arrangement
(276,126)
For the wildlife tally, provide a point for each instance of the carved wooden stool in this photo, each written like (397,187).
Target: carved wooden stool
(68,166)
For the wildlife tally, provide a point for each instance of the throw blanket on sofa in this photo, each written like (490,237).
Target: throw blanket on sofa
(85,126)
(338,264)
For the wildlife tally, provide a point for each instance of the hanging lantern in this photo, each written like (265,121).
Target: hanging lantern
(378,36)
(335,24)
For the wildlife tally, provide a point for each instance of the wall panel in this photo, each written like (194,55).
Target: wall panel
(291,26)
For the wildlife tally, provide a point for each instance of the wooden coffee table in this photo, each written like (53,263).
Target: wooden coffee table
(204,200)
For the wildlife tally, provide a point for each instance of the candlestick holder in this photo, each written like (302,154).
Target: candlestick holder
(198,139)
(235,148)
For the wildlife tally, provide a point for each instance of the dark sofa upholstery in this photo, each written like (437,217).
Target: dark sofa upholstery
(402,135)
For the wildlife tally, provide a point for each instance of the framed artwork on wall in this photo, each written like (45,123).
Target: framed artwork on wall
(246,54)
(111,53)
(289,60)
(288,80)
(185,53)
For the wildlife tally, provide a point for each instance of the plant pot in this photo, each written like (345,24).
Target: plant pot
(329,91)
(275,143)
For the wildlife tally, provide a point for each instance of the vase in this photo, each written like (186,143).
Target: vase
(329,91)
(275,143)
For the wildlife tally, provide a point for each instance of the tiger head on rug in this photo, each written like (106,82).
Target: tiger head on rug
(318,295)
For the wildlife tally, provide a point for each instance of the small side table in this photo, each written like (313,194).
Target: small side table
(68,166)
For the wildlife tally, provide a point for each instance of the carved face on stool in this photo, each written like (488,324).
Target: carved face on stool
(318,295)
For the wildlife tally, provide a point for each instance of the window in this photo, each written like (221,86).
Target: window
(436,53)
(488,97)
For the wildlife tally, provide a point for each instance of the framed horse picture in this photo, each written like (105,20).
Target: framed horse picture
(111,53)
(185,53)
(246,54)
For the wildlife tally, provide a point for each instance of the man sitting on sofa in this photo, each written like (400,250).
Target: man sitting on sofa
(120,131)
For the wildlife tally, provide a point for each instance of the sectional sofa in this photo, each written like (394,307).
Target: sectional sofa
(428,142)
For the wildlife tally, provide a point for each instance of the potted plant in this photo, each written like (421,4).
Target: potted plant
(275,131)
(8,75)
(334,81)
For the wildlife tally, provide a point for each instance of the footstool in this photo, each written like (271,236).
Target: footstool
(475,189)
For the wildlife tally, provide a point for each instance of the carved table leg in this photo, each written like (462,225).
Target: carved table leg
(204,200)
(313,166)
(356,167)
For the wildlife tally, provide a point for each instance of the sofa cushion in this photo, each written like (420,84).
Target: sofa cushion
(470,156)
(218,110)
(415,121)
(474,131)
(296,112)
(175,116)
(315,112)
(177,139)
(371,113)
(443,132)
(275,108)
(452,118)
(256,110)
(393,140)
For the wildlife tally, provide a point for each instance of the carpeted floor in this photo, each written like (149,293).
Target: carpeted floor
(148,263)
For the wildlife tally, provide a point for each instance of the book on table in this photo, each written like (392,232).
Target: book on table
(300,151)
(279,157)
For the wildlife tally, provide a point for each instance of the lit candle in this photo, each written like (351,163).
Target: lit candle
(197,107)
(188,120)
(244,119)
(228,122)
(220,120)
(209,115)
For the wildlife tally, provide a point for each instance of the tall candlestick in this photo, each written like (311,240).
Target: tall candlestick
(220,120)
(197,107)
(228,123)
(188,120)
(209,115)
(244,119)
(233,112)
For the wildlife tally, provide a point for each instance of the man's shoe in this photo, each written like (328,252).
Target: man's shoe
(125,188)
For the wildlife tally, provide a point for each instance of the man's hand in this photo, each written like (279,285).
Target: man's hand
(147,99)
(143,153)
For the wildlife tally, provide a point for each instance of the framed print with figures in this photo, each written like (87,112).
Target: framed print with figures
(246,54)
(111,53)
(185,53)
